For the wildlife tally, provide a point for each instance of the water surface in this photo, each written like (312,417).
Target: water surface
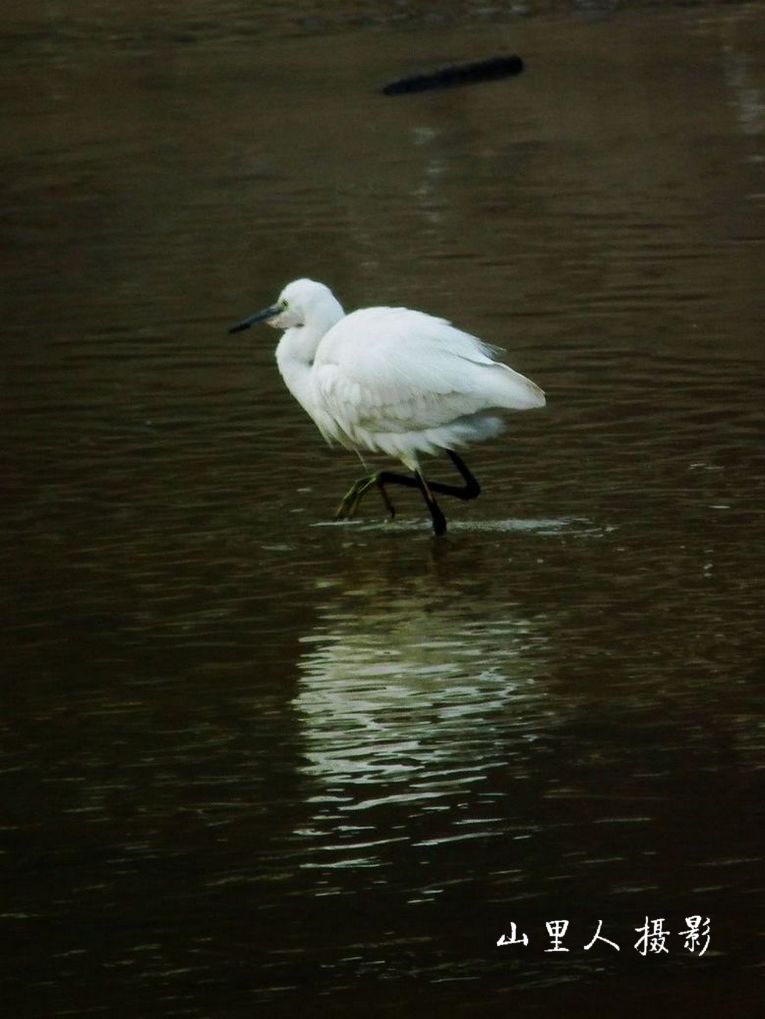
(257,762)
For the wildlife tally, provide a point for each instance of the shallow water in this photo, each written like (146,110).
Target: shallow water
(257,761)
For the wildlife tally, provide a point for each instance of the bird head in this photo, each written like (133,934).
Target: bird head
(294,305)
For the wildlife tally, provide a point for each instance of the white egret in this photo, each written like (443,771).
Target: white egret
(394,381)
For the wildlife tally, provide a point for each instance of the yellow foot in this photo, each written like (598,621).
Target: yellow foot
(350,501)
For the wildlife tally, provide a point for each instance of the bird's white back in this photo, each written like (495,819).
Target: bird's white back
(402,381)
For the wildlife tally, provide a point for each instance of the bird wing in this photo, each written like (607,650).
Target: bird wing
(397,370)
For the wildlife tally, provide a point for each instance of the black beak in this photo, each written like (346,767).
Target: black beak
(259,316)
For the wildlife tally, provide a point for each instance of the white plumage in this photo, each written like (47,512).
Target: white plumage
(391,380)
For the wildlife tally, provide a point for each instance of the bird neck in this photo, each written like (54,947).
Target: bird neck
(299,344)
(297,348)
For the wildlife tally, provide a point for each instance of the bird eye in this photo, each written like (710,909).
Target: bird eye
(285,305)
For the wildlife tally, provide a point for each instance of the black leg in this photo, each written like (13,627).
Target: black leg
(439,520)
(470,490)
(350,501)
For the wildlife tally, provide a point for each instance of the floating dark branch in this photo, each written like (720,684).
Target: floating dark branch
(462,74)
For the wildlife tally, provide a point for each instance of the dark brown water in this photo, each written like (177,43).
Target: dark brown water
(256,763)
